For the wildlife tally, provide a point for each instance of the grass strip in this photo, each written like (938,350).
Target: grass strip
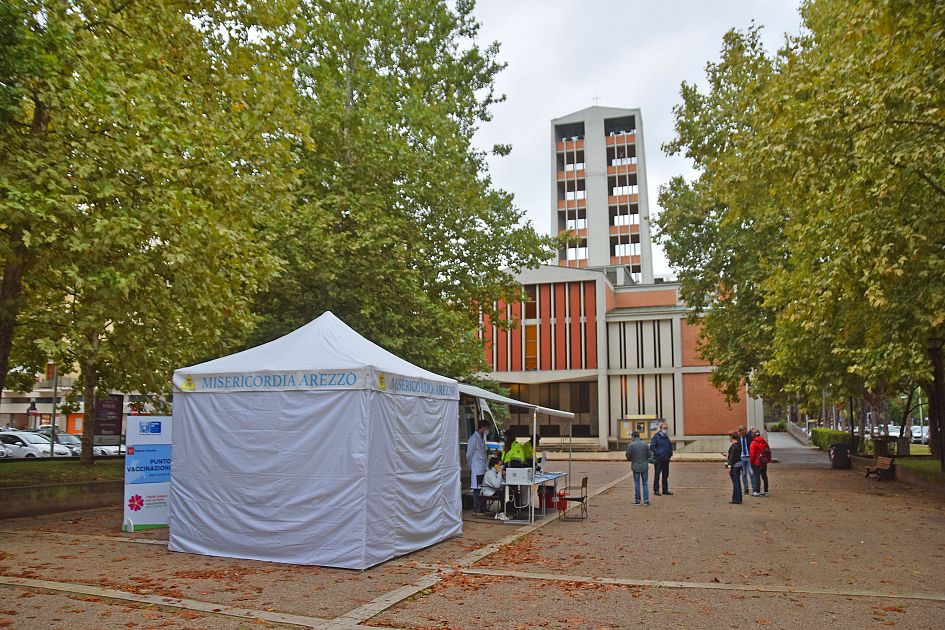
(25,472)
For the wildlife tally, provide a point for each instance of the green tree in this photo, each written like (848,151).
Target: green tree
(397,228)
(149,158)
(706,224)
(861,92)
(841,147)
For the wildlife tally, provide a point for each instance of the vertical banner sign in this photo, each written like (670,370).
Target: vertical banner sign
(108,413)
(147,472)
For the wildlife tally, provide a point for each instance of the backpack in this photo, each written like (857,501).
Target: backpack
(765,456)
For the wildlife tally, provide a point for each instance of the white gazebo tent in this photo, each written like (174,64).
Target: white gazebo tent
(317,448)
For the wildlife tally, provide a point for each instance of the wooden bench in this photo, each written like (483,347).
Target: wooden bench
(883,468)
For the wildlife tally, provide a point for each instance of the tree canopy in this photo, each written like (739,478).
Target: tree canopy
(396,227)
(148,156)
(178,176)
(817,212)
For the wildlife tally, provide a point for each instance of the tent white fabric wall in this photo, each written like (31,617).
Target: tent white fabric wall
(343,471)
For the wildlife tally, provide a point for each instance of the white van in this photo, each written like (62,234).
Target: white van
(471,411)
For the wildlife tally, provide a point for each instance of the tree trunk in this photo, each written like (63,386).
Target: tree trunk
(850,423)
(936,393)
(905,433)
(861,443)
(89,378)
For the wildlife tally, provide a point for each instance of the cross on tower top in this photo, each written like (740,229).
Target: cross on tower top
(596,100)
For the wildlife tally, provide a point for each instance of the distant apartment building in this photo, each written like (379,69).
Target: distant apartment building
(596,334)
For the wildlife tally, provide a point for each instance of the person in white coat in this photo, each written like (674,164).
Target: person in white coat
(492,483)
(477,460)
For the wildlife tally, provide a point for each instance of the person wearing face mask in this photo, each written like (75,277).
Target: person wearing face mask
(662,449)
(492,483)
(476,458)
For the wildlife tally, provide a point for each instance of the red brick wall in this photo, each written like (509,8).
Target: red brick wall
(690,344)
(487,338)
(590,328)
(501,344)
(515,338)
(544,307)
(575,312)
(566,299)
(705,410)
(561,328)
(658,297)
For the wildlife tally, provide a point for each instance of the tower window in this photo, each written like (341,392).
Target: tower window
(577,253)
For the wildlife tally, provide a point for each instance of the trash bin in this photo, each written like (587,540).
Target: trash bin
(881,444)
(839,455)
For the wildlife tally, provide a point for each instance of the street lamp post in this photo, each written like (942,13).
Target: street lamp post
(52,422)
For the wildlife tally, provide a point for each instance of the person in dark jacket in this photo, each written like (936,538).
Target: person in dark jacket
(662,450)
(734,468)
(638,454)
(744,442)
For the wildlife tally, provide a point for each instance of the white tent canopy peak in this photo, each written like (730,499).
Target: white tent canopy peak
(326,353)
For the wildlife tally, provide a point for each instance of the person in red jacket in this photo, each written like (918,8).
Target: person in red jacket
(759,456)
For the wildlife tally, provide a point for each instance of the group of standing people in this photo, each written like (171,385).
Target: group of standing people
(748,459)
(641,455)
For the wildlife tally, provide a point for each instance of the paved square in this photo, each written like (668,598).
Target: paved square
(827,547)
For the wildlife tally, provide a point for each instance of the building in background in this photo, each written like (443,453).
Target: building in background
(596,334)
(28,411)
(599,192)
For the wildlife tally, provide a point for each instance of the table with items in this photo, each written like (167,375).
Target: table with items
(542,486)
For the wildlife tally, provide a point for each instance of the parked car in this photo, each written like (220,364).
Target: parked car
(26,444)
(892,430)
(920,435)
(112,449)
(72,442)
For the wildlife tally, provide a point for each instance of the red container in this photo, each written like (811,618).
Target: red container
(562,502)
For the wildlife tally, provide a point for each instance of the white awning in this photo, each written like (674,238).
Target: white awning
(479,392)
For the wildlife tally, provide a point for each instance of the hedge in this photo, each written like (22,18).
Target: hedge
(823,438)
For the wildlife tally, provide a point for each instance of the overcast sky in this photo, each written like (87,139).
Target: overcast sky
(629,53)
